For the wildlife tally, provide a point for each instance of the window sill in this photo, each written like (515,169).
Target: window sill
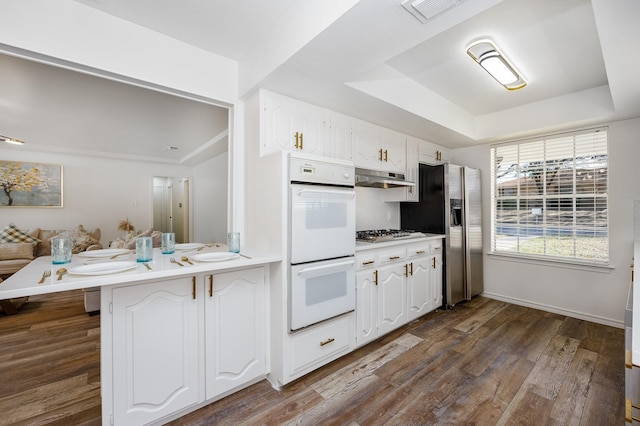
(554,263)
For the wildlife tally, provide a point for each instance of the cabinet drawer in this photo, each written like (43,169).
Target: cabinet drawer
(418,250)
(392,255)
(365,260)
(313,348)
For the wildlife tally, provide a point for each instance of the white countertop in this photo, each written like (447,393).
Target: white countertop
(25,281)
(361,245)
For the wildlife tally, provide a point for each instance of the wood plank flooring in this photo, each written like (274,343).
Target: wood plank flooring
(485,362)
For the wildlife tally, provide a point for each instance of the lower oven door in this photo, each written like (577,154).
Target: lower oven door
(321,290)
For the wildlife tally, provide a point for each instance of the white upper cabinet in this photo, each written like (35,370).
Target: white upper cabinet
(340,145)
(430,153)
(378,148)
(289,125)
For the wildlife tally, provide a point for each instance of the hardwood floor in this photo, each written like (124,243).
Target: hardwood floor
(485,362)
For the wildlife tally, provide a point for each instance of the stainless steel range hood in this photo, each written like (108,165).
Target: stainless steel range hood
(378,179)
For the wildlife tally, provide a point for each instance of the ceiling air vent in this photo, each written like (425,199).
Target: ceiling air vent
(424,10)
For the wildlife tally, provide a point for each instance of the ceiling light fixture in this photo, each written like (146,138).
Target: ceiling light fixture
(485,53)
(11,140)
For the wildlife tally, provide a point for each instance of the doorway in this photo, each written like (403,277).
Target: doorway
(171,206)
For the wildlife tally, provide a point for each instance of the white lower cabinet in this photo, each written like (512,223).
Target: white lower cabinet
(419,285)
(178,342)
(392,298)
(156,344)
(316,346)
(235,330)
(436,274)
(396,285)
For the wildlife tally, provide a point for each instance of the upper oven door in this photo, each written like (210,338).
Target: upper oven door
(323,222)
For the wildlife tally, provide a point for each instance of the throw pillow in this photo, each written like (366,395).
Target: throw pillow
(10,251)
(11,234)
(81,239)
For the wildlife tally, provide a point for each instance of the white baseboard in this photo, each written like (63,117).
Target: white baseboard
(555,310)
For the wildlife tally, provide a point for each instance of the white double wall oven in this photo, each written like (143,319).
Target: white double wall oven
(322,209)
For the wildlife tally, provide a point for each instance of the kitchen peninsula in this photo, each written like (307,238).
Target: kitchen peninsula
(173,338)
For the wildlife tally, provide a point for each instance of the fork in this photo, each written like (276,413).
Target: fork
(173,260)
(45,274)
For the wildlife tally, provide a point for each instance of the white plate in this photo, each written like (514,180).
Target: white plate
(103,252)
(102,268)
(189,246)
(214,257)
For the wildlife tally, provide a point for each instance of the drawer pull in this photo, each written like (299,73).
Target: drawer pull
(326,342)
(368,262)
(394,257)
(420,252)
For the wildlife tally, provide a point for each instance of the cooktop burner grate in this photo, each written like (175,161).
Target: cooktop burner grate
(377,235)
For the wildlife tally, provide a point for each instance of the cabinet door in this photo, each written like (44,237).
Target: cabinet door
(412,192)
(366,145)
(436,281)
(279,123)
(340,145)
(392,299)
(419,288)
(394,147)
(156,346)
(366,307)
(312,125)
(235,329)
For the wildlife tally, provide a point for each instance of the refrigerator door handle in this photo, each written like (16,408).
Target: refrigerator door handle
(465,235)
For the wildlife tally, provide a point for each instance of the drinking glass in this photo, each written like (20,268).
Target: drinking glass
(144,249)
(60,250)
(168,243)
(233,242)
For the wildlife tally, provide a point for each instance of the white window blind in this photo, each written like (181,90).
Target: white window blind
(550,197)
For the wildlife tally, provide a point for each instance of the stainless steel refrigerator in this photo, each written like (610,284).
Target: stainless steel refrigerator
(450,203)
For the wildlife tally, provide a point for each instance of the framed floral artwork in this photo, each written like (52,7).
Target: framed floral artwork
(25,184)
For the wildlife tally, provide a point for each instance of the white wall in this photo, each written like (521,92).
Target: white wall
(210,198)
(100,192)
(372,212)
(595,295)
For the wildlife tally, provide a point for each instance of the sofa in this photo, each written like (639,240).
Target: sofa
(18,248)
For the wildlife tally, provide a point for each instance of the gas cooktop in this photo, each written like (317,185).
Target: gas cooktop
(380,235)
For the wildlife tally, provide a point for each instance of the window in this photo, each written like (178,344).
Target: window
(550,197)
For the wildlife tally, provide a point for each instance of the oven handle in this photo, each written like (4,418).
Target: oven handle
(346,193)
(313,270)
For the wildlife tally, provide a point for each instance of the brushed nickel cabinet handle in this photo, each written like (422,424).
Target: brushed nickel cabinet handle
(210,285)
(326,342)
